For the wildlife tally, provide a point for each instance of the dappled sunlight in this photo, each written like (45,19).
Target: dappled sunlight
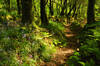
(49,32)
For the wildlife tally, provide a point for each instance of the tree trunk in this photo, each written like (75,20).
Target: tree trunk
(90,12)
(19,6)
(26,12)
(61,2)
(44,19)
(51,7)
(63,8)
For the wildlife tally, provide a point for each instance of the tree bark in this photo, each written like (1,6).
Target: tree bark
(19,6)
(90,12)
(44,19)
(51,7)
(27,12)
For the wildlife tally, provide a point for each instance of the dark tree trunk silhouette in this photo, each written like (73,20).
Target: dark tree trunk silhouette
(61,2)
(26,12)
(44,19)
(90,12)
(8,5)
(51,7)
(19,6)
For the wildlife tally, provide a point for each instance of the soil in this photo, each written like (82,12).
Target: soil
(61,56)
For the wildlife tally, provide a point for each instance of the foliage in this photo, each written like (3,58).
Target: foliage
(75,26)
(20,47)
(28,45)
(57,29)
(88,54)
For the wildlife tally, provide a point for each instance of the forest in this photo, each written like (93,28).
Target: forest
(49,32)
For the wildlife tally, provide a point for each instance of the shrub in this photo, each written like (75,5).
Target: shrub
(21,47)
(88,54)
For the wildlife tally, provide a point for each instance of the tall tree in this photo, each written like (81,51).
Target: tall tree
(44,19)
(63,8)
(90,11)
(26,12)
(19,6)
(51,7)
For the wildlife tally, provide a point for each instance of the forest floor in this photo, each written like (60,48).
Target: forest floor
(63,53)
(61,56)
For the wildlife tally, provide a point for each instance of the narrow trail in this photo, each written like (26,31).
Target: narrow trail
(71,37)
(61,56)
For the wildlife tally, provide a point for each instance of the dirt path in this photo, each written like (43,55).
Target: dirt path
(60,57)
(62,54)
(71,37)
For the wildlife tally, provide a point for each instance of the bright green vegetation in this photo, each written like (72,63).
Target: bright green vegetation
(32,30)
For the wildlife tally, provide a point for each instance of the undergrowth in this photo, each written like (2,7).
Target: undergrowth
(89,50)
(30,46)
(18,46)
(57,29)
